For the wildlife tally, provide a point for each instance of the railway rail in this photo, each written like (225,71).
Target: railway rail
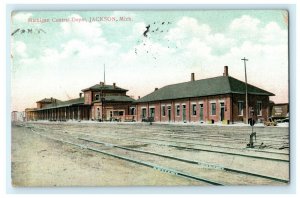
(71,135)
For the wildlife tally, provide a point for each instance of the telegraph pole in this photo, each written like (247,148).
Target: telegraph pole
(104,74)
(244,59)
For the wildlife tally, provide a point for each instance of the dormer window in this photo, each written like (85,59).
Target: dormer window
(97,97)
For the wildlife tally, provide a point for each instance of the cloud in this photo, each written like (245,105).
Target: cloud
(21,16)
(272,33)
(19,49)
(193,47)
(245,24)
(83,30)
(188,27)
(266,47)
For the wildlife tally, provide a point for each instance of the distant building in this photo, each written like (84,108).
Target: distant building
(107,102)
(100,102)
(218,99)
(17,116)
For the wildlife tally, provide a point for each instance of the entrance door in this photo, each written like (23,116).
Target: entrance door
(132,112)
(152,113)
(183,113)
(97,114)
(222,111)
(201,112)
(169,113)
(143,113)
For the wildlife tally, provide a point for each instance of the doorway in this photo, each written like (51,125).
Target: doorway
(183,113)
(222,112)
(201,112)
(169,113)
(152,113)
(143,113)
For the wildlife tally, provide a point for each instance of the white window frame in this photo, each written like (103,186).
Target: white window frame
(177,112)
(221,100)
(145,112)
(151,107)
(163,110)
(242,110)
(194,105)
(259,113)
(211,109)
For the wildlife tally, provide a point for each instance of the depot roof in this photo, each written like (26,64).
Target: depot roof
(205,87)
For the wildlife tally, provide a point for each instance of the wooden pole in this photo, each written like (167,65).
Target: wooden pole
(244,59)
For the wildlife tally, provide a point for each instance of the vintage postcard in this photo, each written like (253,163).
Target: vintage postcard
(150,98)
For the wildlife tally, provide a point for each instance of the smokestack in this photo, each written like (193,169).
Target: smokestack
(155,89)
(192,76)
(114,85)
(225,71)
(80,95)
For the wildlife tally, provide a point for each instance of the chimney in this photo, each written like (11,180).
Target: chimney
(139,97)
(80,95)
(102,83)
(155,89)
(192,76)
(225,71)
(114,85)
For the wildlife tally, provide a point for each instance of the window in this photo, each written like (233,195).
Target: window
(177,110)
(97,97)
(152,112)
(163,110)
(144,112)
(194,109)
(240,108)
(259,108)
(213,109)
(118,113)
(132,111)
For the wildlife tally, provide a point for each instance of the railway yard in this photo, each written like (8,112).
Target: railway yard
(139,154)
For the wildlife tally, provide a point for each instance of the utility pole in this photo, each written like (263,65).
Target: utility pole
(104,74)
(244,59)
(102,98)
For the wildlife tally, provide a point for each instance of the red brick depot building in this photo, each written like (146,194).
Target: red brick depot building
(211,100)
(218,99)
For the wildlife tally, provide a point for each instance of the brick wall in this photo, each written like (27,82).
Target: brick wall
(252,103)
(187,114)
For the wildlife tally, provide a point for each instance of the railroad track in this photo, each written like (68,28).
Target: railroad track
(135,161)
(187,146)
(163,168)
(202,164)
(220,138)
(196,144)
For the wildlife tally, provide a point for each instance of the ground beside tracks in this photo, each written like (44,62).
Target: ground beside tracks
(40,160)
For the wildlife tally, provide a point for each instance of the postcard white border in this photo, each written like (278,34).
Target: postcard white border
(289,189)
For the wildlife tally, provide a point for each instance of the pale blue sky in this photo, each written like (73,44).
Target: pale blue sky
(70,55)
